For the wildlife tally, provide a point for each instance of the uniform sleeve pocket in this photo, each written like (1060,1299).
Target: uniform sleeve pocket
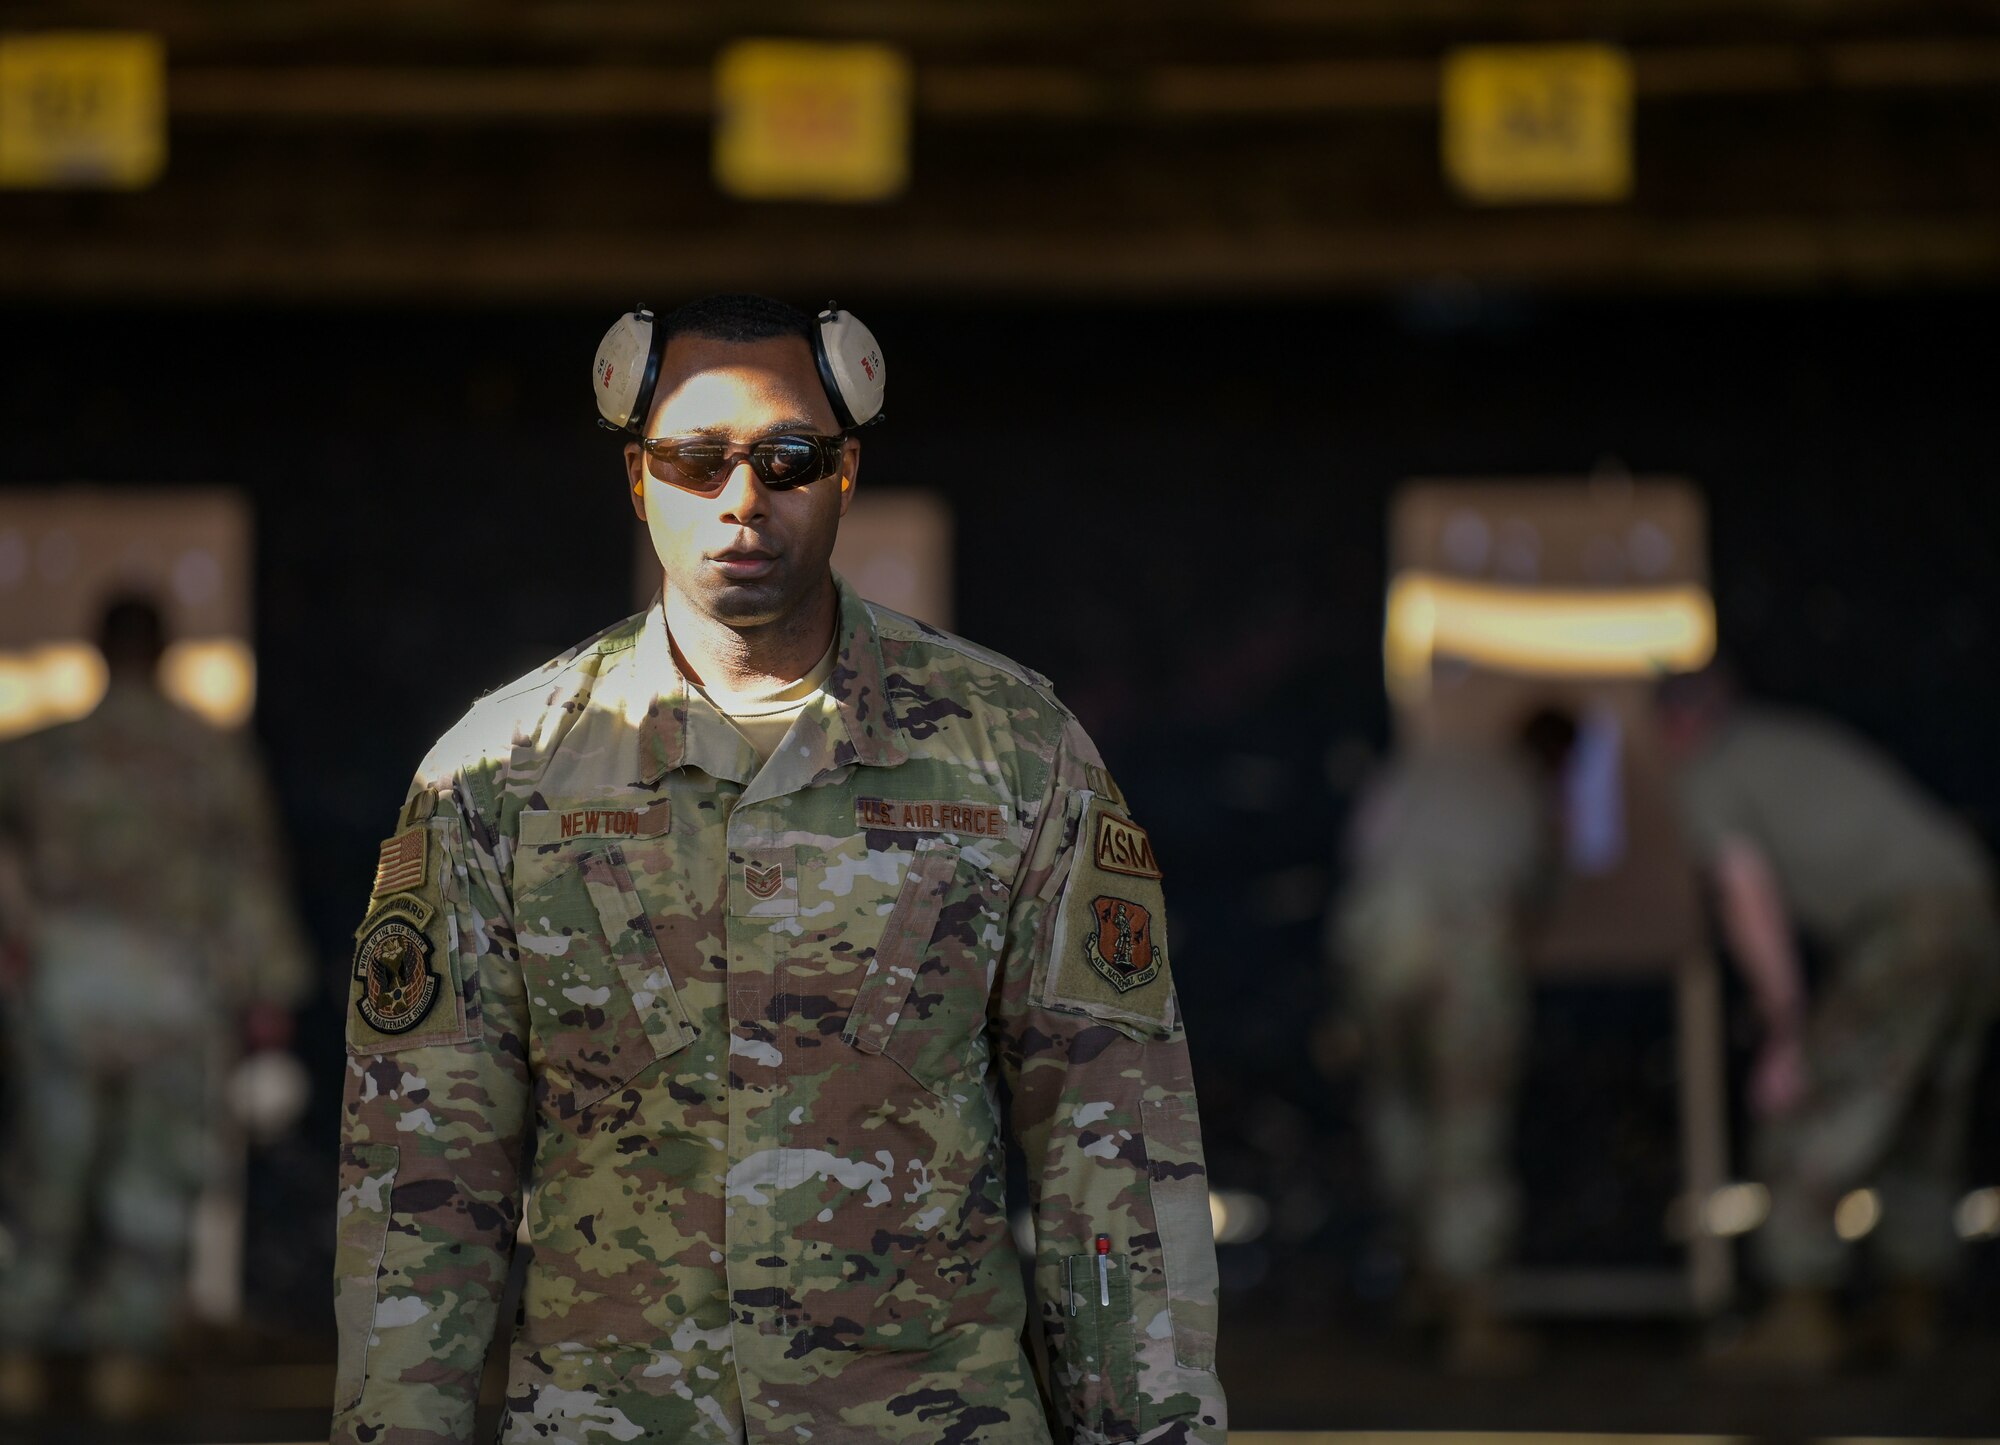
(1178,1181)
(367,1181)
(1102,1374)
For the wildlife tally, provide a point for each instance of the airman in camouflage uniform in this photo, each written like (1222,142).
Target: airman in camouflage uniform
(752,1038)
(1452,849)
(1868,1081)
(141,887)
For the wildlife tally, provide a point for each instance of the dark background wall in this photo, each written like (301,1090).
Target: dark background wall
(1175,512)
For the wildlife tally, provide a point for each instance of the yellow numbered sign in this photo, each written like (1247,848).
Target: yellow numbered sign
(812,122)
(1539,123)
(82,109)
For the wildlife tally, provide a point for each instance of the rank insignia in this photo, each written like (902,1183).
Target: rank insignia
(1121,948)
(393,967)
(763,882)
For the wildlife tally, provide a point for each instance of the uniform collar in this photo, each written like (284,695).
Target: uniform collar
(860,726)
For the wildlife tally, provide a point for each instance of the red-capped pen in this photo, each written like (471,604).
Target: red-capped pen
(1104,1270)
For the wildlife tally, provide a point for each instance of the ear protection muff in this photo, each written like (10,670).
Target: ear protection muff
(850,367)
(627,369)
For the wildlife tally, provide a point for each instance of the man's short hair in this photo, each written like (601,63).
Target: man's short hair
(738,317)
(1547,735)
(132,628)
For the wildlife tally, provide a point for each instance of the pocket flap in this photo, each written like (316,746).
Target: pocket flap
(879,1001)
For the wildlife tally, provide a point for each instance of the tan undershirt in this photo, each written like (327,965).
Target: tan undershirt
(765,715)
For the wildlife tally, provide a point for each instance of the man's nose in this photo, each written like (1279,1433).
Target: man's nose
(742,496)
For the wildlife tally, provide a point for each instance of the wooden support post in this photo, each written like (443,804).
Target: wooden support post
(1704,1123)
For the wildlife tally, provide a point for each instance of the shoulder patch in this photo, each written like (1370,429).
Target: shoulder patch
(407,984)
(1121,846)
(397,981)
(1102,783)
(1108,954)
(401,864)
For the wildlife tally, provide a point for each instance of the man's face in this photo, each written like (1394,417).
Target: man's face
(747,556)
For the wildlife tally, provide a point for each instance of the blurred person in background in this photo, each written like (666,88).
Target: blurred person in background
(147,938)
(1454,850)
(1866,1080)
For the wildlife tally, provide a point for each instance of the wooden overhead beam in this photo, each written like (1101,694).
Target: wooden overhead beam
(575,31)
(478,94)
(1552,251)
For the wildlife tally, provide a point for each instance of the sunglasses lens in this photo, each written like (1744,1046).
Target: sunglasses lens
(786,461)
(689,466)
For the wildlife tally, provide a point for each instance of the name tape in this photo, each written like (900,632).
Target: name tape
(550,826)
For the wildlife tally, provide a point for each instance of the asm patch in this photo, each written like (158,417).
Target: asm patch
(1122,846)
(1121,947)
(393,967)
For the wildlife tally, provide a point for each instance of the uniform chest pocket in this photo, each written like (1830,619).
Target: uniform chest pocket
(922,1001)
(602,999)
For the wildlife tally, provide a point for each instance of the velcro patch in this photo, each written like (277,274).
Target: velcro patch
(400,865)
(1108,956)
(392,967)
(647,820)
(977,820)
(1121,846)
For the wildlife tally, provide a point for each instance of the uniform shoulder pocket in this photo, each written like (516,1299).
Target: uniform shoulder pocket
(922,1001)
(602,997)
(367,1184)
(1108,953)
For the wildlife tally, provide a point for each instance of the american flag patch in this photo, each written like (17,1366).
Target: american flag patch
(400,866)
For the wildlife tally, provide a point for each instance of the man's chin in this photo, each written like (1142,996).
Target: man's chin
(752,603)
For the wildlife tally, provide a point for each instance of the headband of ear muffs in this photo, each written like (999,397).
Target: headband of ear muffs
(627,369)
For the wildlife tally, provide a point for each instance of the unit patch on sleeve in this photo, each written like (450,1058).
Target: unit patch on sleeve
(1121,846)
(1108,952)
(977,820)
(1121,948)
(393,967)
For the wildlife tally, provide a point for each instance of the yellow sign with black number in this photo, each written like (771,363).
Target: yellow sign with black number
(802,121)
(1525,123)
(82,109)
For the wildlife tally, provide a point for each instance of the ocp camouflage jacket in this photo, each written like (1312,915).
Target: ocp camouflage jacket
(740,1036)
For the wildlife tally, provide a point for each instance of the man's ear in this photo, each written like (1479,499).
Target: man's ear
(850,470)
(635,478)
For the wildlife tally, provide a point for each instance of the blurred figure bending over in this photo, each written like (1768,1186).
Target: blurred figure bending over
(146,937)
(1867,1084)
(1454,848)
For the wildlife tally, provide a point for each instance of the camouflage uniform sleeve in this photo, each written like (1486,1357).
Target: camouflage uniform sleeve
(1090,1040)
(434,1124)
